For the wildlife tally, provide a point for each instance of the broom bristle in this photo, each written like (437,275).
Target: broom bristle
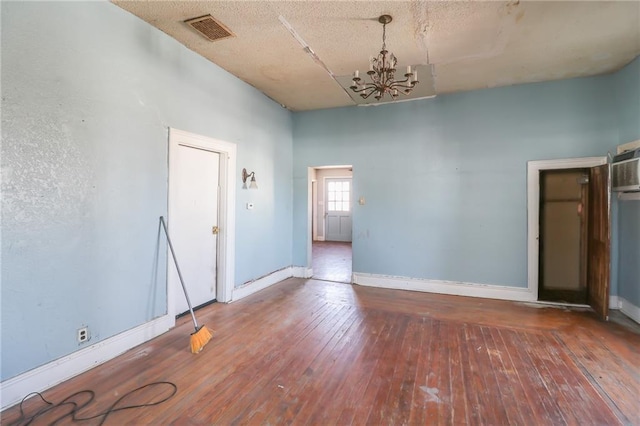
(200,338)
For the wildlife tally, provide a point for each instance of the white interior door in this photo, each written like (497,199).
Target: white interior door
(193,224)
(338,209)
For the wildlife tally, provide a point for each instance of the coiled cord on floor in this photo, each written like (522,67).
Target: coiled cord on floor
(26,420)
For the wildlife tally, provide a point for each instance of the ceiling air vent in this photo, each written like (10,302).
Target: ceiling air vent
(209,27)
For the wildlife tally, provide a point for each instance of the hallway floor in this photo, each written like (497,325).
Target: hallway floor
(332,261)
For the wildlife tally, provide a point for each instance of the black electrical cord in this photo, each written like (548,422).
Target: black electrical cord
(75,407)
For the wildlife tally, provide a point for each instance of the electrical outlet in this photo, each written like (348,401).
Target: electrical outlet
(83,334)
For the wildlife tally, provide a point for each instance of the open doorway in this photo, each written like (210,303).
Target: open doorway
(564,198)
(569,234)
(332,206)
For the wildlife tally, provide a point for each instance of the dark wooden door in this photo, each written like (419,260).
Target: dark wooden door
(599,241)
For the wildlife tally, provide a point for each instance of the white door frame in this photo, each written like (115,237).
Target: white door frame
(226,211)
(314,211)
(533,208)
(311,209)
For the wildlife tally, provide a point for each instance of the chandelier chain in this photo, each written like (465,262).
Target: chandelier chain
(384,36)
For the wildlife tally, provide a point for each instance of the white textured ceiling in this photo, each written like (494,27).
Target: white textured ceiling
(459,46)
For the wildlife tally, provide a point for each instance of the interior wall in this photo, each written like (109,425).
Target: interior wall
(86,103)
(626,84)
(321,175)
(445,178)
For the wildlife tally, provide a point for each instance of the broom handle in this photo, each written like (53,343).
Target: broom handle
(175,261)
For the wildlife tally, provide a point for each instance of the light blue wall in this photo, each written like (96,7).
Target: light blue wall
(86,103)
(626,85)
(445,179)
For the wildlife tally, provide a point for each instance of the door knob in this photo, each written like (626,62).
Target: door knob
(215,230)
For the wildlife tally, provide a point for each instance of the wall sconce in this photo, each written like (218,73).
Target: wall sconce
(252,183)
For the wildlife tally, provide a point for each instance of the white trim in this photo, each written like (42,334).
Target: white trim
(455,288)
(313,205)
(302,272)
(614,303)
(533,207)
(311,176)
(314,202)
(54,372)
(630,310)
(262,283)
(628,146)
(226,210)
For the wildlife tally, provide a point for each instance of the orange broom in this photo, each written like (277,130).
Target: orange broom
(202,335)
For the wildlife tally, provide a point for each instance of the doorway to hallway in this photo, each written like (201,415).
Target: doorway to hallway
(330,216)
(332,261)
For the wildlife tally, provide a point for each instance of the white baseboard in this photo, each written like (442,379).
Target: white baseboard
(614,303)
(319,238)
(445,287)
(48,375)
(302,272)
(262,283)
(629,309)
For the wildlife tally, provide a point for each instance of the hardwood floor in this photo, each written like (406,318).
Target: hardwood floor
(332,261)
(321,353)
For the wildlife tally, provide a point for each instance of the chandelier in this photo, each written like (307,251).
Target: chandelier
(382,73)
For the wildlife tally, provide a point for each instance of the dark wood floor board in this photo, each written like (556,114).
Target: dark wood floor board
(390,330)
(313,352)
(416,412)
(400,398)
(384,371)
(561,374)
(543,408)
(509,387)
(344,395)
(492,401)
(380,329)
(430,391)
(541,351)
(255,373)
(303,368)
(615,376)
(472,380)
(394,407)
(459,400)
(498,313)
(307,363)
(419,399)
(333,391)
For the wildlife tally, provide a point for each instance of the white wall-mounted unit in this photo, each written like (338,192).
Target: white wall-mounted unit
(625,171)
